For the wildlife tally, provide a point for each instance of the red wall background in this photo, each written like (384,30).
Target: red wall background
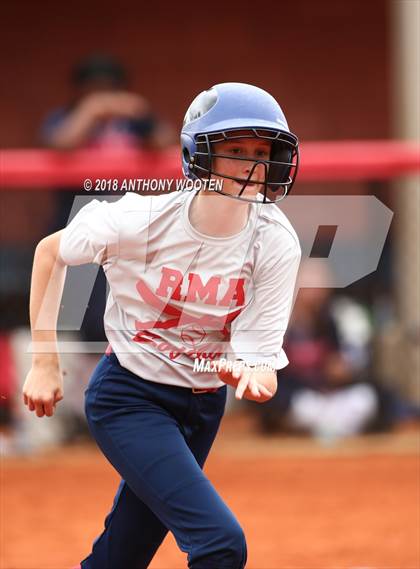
(325,60)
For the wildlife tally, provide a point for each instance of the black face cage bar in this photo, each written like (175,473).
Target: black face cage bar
(280,169)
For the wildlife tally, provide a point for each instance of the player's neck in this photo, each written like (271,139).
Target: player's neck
(218,216)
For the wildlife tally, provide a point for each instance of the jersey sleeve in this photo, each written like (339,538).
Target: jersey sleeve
(92,235)
(257,334)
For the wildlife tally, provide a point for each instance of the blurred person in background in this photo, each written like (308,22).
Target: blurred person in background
(103,113)
(325,390)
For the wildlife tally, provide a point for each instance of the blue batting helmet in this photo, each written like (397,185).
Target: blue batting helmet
(236,110)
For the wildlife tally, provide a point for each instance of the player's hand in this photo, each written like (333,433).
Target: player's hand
(248,383)
(43,389)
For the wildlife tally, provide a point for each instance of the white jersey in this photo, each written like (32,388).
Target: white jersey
(177,295)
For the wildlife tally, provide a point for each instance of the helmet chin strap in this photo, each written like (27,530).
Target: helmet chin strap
(245,183)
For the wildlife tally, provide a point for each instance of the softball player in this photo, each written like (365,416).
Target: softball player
(193,277)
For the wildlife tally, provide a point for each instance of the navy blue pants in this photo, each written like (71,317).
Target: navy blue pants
(158,437)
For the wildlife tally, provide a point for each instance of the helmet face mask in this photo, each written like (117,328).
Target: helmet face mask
(279,170)
(244,112)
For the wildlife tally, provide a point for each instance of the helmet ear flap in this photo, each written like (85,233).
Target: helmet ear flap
(196,161)
(188,149)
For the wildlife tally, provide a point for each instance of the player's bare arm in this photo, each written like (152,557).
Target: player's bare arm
(43,387)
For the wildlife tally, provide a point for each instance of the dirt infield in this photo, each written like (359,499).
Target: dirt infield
(301,505)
